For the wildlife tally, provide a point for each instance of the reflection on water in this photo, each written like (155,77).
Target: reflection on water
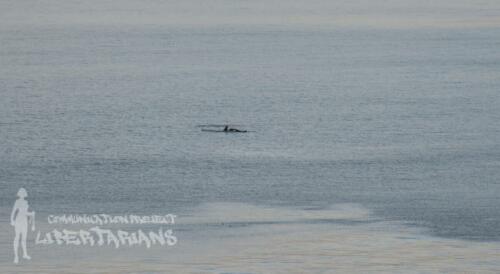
(244,238)
(404,122)
(392,108)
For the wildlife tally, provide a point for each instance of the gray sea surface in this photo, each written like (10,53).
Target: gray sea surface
(107,117)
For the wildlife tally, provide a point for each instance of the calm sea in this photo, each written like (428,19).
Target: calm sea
(402,122)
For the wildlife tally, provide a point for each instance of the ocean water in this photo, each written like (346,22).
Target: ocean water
(400,123)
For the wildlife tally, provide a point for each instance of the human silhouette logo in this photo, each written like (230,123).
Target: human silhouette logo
(20,218)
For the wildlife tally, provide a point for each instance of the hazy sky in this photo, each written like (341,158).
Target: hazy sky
(350,13)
